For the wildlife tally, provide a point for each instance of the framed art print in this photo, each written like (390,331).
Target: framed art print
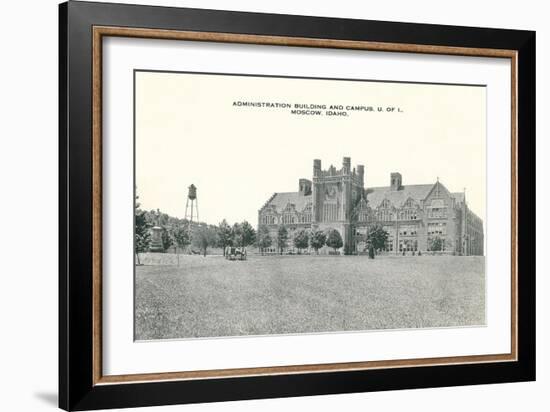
(257,205)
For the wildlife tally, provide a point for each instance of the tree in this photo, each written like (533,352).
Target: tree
(301,240)
(376,239)
(243,234)
(317,240)
(436,244)
(225,235)
(142,234)
(204,237)
(166,238)
(182,238)
(264,238)
(282,238)
(334,240)
(236,233)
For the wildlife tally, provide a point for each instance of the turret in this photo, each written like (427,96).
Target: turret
(346,165)
(316,167)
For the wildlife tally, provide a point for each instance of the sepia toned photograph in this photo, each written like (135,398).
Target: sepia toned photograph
(270,205)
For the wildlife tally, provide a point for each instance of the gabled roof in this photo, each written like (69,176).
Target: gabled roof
(362,204)
(375,195)
(281,200)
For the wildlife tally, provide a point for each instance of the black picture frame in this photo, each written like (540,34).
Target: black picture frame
(77,390)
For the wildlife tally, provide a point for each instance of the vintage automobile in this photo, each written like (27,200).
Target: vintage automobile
(235,253)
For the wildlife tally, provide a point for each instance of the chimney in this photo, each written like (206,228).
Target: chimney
(396,181)
(361,174)
(304,187)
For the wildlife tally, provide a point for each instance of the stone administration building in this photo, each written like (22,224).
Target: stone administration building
(411,214)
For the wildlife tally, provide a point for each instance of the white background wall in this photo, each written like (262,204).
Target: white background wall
(28,203)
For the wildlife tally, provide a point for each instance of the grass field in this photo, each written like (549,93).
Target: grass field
(206,297)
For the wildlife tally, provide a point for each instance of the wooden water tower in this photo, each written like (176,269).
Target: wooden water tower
(192,205)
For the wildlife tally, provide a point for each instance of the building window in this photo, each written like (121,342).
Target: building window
(330,212)
(408,245)
(268,220)
(439,228)
(289,219)
(437,212)
(409,230)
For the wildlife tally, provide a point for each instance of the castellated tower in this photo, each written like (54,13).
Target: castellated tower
(335,192)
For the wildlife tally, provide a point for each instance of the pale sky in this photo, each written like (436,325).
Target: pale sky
(188,131)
